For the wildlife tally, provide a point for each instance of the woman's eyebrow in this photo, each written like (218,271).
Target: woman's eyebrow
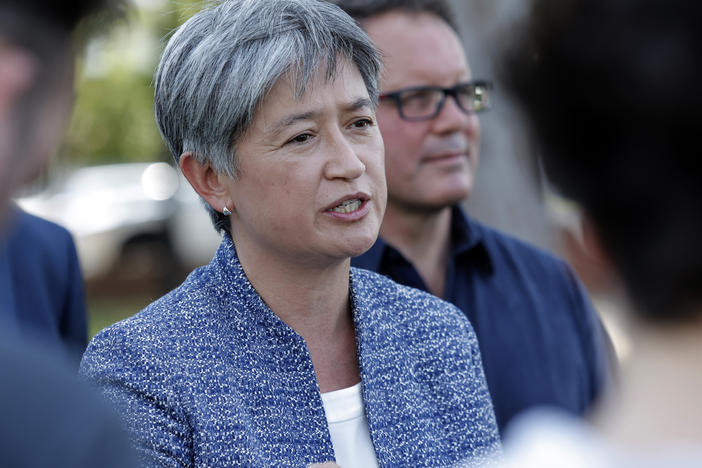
(358,104)
(289,120)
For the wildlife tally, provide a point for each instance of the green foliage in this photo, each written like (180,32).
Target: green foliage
(113,118)
(113,121)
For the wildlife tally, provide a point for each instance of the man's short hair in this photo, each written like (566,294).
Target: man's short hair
(361,10)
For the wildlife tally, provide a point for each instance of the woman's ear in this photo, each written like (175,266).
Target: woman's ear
(597,268)
(209,184)
(593,243)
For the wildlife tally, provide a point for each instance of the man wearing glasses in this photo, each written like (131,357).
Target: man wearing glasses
(541,341)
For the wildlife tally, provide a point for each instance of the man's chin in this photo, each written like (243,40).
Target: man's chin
(442,196)
(426,207)
(446,198)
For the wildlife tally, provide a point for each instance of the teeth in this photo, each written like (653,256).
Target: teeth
(348,206)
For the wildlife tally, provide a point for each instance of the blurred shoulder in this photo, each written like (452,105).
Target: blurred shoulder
(28,228)
(47,410)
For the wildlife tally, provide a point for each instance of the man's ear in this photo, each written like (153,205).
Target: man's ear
(206,182)
(17,72)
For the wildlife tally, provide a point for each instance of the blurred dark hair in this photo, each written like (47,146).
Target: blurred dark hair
(45,28)
(361,10)
(48,32)
(612,92)
(62,15)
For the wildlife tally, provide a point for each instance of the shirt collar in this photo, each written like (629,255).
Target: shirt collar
(467,238)
(373,257)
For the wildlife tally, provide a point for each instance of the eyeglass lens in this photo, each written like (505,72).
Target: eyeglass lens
(425,102)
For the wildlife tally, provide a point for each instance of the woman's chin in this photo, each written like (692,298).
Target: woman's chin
(360,246)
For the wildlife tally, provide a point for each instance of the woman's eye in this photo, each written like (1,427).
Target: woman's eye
(301,138)
(363,123)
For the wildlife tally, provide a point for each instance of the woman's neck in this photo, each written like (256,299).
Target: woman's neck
(658,400)
(300,293)
(313,300)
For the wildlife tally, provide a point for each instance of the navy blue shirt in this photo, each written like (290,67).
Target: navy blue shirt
(540,338)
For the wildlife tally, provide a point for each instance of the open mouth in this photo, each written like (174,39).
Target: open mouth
(348,206)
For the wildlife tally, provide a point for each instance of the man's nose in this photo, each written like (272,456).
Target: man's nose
(452,118)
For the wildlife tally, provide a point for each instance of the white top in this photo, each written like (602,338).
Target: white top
(349,428)
(548,438)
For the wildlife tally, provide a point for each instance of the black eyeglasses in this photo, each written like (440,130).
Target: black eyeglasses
(425,102)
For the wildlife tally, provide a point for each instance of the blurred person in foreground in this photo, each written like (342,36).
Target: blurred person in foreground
(278,353)
(41,286)
(612,92)
(48,417)
(541,341)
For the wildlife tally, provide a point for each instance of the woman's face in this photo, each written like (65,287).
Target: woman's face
(311,184)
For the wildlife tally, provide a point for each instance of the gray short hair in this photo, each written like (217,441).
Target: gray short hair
(221,63)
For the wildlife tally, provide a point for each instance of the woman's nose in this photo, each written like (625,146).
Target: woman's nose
(343,161)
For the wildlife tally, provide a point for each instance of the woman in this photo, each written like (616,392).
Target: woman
(277,353)
(613,100)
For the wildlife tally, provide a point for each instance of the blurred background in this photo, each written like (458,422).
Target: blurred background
(139,227)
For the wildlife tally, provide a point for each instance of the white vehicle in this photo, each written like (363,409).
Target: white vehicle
(142,217)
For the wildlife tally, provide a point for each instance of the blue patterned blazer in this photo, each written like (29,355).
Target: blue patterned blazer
(209,376)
